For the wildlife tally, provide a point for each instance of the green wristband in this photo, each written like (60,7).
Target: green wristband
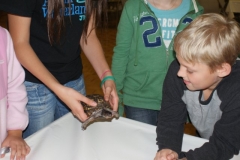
(106,78)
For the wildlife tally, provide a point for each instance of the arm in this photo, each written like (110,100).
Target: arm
(19,28)
(94,52)
(225,140)
(121,53)
(173,113)
(17,116)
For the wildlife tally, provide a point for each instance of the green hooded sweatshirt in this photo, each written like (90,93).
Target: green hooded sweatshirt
(139,71)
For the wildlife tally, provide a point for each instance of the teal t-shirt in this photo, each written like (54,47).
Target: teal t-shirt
(169,19)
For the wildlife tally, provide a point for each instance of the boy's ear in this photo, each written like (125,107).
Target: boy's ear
(224,70)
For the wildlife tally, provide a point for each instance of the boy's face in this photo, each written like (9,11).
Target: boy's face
(197,76)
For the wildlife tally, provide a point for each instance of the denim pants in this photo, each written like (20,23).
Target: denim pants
(44,106)
(142,115)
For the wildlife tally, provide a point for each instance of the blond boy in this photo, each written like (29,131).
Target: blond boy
(204,84)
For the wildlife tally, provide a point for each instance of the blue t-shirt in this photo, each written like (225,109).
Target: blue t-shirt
(169,19)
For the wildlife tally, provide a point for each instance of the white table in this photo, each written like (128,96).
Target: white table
(233,7)
(121,139)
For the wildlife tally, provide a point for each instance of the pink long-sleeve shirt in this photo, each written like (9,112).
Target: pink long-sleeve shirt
(13,96)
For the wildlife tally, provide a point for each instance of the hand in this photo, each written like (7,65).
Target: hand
(110,94)
(166,154)
(19,147)
(72,99)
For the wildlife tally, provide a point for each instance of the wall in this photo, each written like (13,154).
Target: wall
(211,5)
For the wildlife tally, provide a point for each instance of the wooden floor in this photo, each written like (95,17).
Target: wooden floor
(107,38)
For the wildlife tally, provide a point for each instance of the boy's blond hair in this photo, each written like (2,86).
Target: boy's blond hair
(211,39)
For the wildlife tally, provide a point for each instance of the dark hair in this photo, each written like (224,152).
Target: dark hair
(55,22)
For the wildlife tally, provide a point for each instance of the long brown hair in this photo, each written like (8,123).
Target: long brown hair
(55,22)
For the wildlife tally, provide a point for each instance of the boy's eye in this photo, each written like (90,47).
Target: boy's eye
(188,71)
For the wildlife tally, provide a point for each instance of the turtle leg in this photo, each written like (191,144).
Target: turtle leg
(114,113)
(90,119)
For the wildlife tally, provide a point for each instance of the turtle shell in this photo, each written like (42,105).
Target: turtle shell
(101,104)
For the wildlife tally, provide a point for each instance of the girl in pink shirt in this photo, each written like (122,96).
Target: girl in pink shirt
(13,99)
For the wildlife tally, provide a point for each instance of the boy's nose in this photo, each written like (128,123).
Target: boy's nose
(180,72)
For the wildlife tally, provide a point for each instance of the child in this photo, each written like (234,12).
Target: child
(203,83)
(48,43)
(144,51)
(13,99)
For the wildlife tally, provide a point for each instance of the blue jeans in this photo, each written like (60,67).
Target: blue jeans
(142,115)
(44,106)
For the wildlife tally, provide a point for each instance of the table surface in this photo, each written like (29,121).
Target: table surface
(121,139)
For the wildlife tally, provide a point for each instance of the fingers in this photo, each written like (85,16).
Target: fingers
(2,155)
(20,152)
(114,101)
(108,87)
(88,101)
(28,149)
(166,154)
(172,156)
(81,116)
(79,111)
(110,94)
(107,93)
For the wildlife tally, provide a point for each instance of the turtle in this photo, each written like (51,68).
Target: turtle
(103,110)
